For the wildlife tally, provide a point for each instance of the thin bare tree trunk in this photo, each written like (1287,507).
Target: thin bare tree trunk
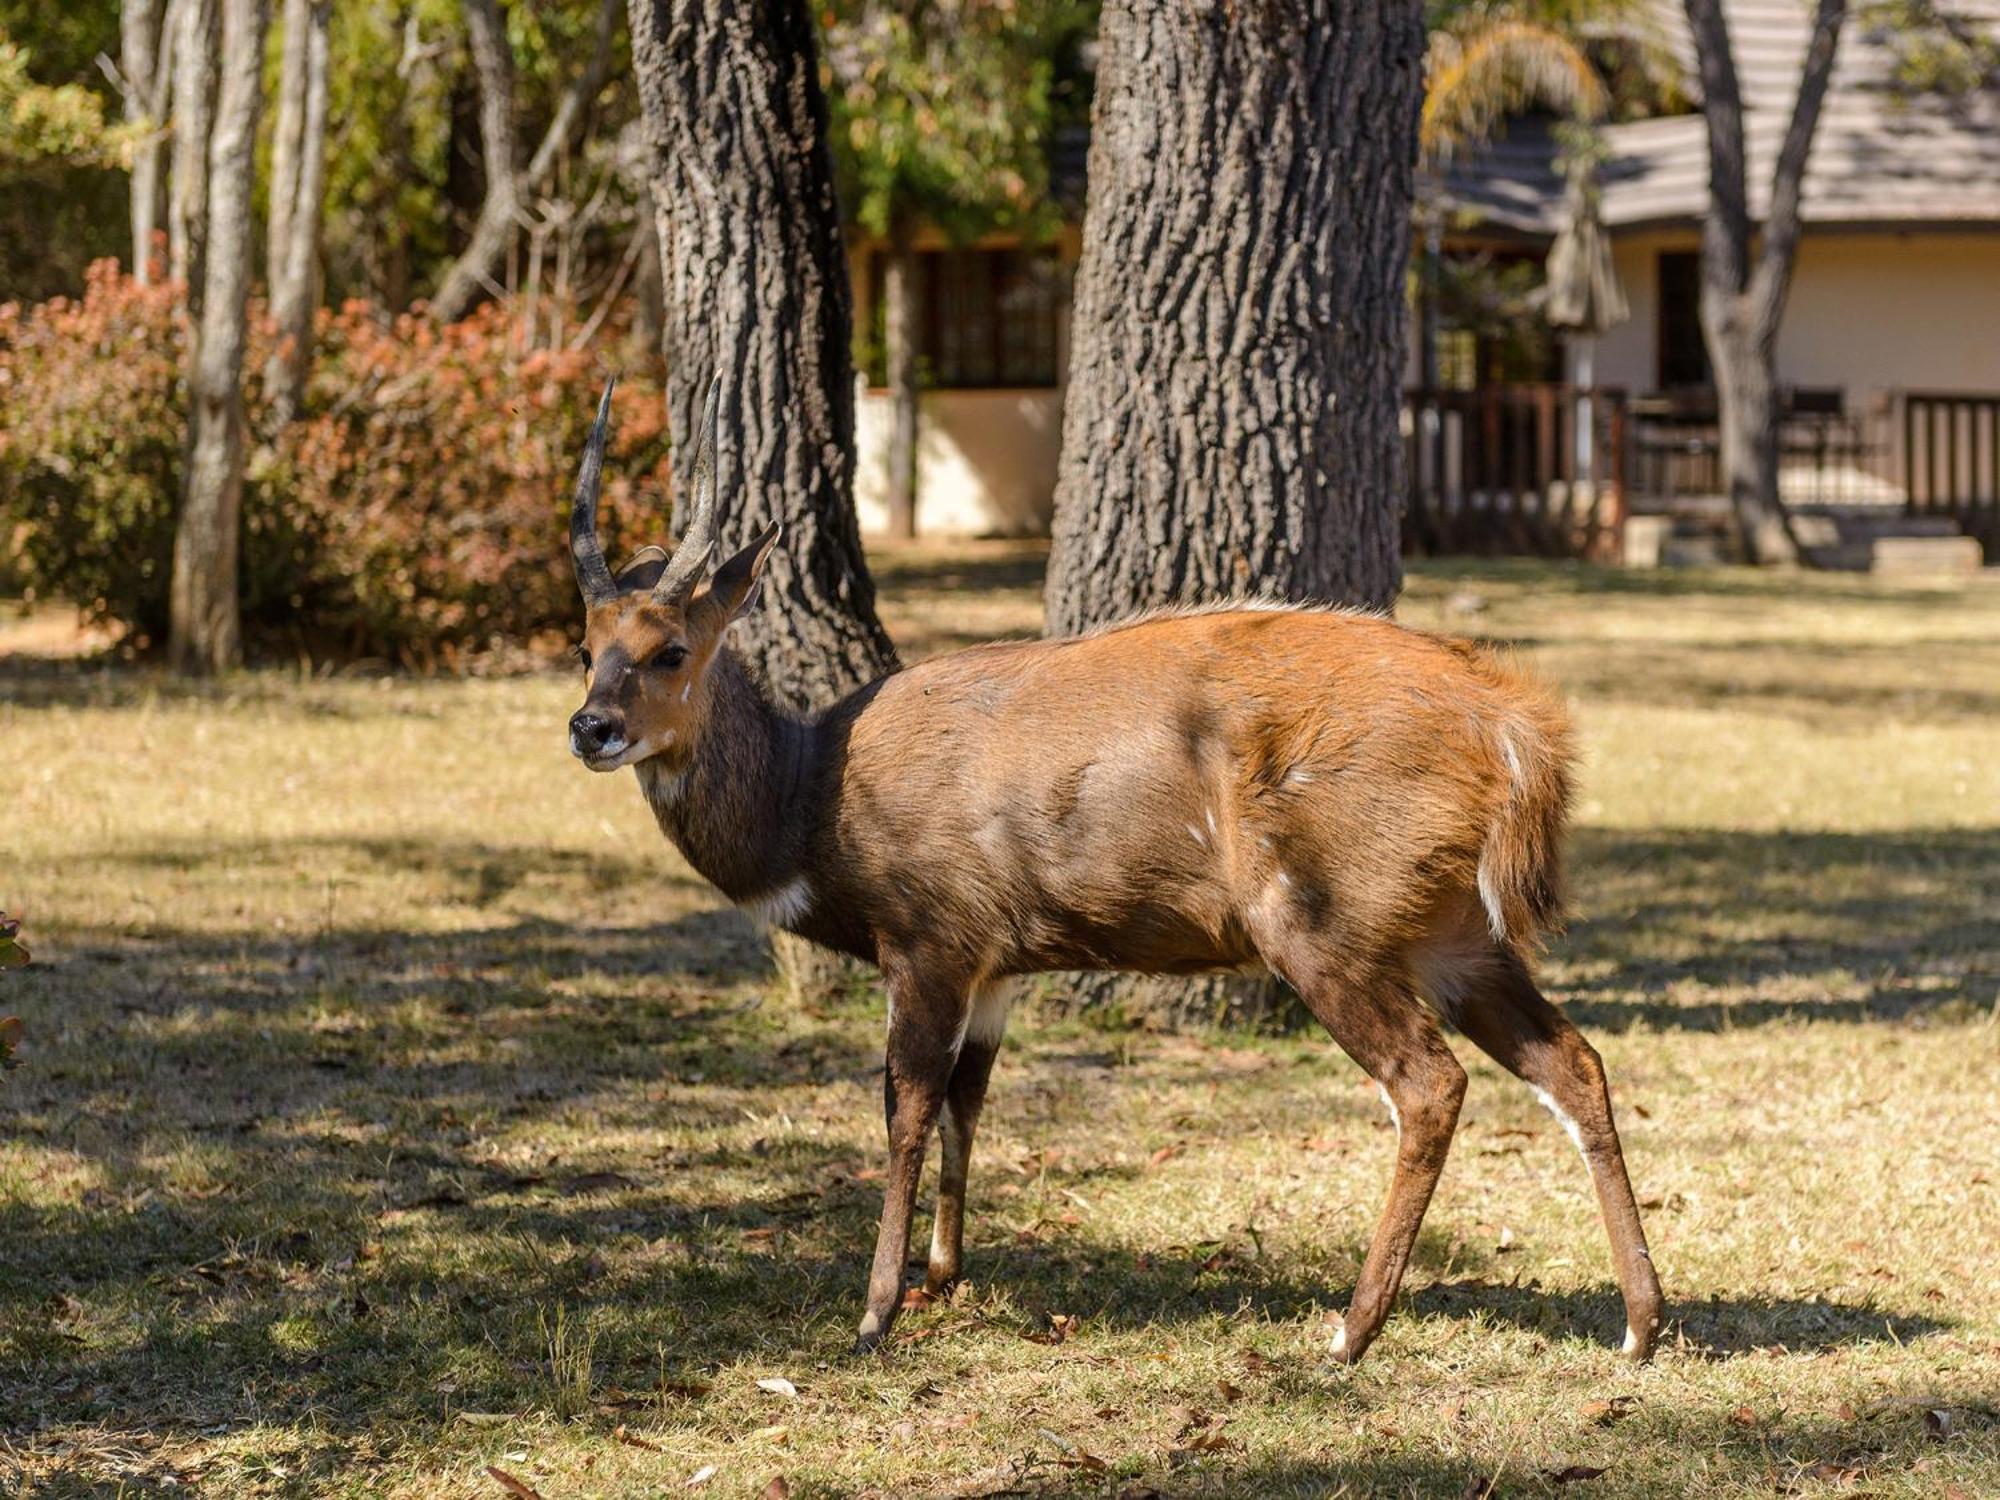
(194,38)
(899,326)
(756,291)
(145,45)
(1232,424)
(205,632)
(649,318)
(1744,286)
(285,130)
(470,276)
(295,273)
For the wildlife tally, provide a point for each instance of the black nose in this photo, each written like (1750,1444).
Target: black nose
(590,733)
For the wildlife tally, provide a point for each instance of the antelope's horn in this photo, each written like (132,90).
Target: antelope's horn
(593,574)
(697,543)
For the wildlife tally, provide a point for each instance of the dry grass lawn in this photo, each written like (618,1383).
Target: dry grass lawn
(396,1104)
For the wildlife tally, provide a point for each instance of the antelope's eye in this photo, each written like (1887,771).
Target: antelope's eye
(672,657)
(583,656)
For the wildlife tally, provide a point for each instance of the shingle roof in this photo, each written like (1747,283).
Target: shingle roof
(1881,155)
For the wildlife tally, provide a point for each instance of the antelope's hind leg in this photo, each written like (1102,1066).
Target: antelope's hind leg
(1395,1040)
(1496,1003)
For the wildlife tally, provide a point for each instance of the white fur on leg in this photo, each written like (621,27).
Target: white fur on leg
(1563,1119)
(1338,1348)
(1631,1339)
(1395,1115)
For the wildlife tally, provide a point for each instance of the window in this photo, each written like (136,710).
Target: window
(984,318)
(1683,355)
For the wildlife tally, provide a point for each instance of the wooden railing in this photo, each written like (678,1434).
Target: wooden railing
(1951,460)
(1501,470)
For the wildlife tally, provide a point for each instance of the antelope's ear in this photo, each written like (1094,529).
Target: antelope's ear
(642,570)
(733,590)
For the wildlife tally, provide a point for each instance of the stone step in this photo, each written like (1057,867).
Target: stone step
(1926,557)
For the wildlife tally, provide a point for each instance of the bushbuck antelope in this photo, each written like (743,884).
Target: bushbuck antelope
(1373,813)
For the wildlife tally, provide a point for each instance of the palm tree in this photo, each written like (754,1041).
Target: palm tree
(1490,59)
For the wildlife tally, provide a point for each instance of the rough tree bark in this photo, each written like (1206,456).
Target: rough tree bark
(899,327)
(508,188)
(193,91)
(206,633)
(1744,287)
(756,290)
(1232,422)
(145,51)
(294,248)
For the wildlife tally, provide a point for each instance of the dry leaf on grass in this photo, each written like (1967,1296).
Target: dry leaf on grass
(512,1485)
(1606,1412)
(632,1439)
(700,1476)
(777,1385)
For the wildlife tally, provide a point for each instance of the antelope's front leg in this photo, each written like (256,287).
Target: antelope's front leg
(924,1033)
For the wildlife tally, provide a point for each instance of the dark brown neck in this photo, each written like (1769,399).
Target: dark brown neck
(742,807)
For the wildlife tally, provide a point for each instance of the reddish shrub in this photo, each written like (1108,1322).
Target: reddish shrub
(416,511)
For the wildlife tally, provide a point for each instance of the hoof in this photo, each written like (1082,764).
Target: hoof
(1339,1350)
(873,1337)
(1639,1347)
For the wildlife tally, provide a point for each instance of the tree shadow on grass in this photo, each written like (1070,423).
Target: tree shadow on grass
(1694,930)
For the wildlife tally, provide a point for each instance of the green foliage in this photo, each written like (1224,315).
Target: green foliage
(943,109)
(40,123)
(415,512)
(1937,49)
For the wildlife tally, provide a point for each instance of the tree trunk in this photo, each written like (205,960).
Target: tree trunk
(194,38)
(756,290)
(649,316)
(145,44)
(286,128)
(1746,398)
(508,188)
(1232,419)
(1744,286)
(205,634)
(899,323)
(1232,422)
(295,271)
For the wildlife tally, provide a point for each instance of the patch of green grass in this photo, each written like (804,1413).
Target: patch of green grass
(395,1104)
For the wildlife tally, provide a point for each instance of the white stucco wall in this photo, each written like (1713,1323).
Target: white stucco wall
(986,461)
(1869,312)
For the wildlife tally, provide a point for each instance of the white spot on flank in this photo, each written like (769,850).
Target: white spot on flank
(1395,1115)
(1211,823)
(1284,880)
(1563,1119)
(1513,760)
(686,688)
(782,907)
(1195,834)
(1299,778)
